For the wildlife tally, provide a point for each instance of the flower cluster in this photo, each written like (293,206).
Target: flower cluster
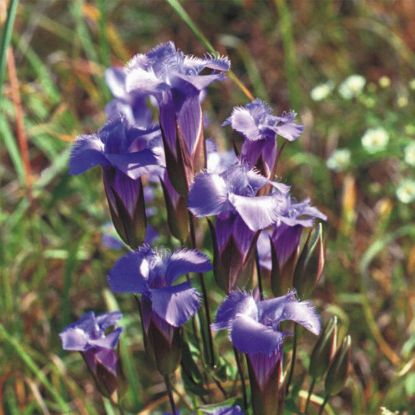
(251,216)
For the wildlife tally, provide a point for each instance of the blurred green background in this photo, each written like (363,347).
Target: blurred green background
(347,67)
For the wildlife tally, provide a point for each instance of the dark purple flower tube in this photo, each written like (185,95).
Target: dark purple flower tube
(260,129)
(90,335)
(254,329)
(176,81)
(164,306)
(279,254)
(176,207)
(125,154)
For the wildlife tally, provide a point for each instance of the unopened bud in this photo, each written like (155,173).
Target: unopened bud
(310,265)
(127,207)
(282,277)
(233,261)
(162,342)
(177,214)
(338,371)
(324,350)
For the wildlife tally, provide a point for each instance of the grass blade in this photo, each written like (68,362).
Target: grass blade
(5,41)
(290,64)
(12,148)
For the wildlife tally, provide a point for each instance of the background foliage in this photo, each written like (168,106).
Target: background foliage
(52,260)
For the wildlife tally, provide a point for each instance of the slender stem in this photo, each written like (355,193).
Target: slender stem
(205,296)
(170,393)
(281,389)
(242,377)
(326,399)
(6,39)
(310,392)
(194,326)
(279,152)
(19,117)
(220,387)
(293,358)
(258,270)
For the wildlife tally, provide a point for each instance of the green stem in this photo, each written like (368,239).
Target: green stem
(310,392)
(205,296)
(326,399)
(293,358)
(6,39)
(170,394)
(242,377)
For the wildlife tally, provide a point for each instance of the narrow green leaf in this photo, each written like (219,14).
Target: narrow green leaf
(5,41)
(13,150)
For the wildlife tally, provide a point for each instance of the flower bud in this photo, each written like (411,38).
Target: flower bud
(282,276)
(233,245)
(162,341)
(310,265)
(110,384)
(177,214)
(324,350)
(338,371)
(127,206)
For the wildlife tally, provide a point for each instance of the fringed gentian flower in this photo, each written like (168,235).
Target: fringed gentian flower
(240,214)
(131,105)
(260,129)
(89,335)
(125,154)
(254,329)
(165,306)
(176,81)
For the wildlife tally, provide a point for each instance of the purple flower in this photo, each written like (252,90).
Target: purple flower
(90,335)
(131,105)
(125,153)
(234,191)
(165,306)
(176,81)
(240,214)
(254,326)
(152,273)
(260,129)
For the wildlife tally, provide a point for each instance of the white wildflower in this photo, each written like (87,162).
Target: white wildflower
(410,154)
(339,160)
(352,86)
(406,191)
(375,140)
(321,91)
